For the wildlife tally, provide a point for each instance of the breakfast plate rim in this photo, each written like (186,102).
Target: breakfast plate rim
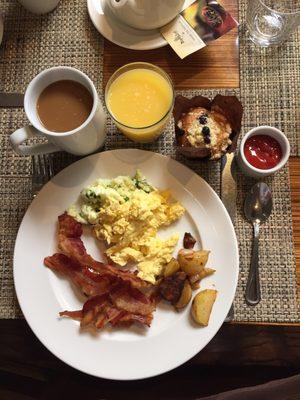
(61,355)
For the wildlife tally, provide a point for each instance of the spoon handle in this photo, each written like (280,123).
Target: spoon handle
(252,294)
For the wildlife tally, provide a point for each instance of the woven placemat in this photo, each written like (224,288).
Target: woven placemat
(270,83)
(33,43)
(67,37)
(277,261)
(30,44)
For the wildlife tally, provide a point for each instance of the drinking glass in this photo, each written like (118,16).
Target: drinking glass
(270,22)
(146,133)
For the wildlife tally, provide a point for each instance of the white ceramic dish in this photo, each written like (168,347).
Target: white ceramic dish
(275,133)
(38,6)
(145,14)
(123,35)
(136,352)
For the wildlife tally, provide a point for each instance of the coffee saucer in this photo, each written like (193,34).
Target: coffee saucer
(121,34)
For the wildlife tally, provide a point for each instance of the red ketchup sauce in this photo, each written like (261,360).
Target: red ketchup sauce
(262,151)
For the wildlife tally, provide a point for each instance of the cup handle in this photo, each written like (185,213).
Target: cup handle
(22,134)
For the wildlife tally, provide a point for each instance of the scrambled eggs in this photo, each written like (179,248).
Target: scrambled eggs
(127,213)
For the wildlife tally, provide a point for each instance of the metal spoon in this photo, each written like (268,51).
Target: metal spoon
(257,208)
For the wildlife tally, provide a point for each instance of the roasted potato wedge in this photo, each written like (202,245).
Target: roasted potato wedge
(202,306)
(206,272)
(195,285)
(185,297)
(202,274)
(194,278)
(172,267)
(192,262)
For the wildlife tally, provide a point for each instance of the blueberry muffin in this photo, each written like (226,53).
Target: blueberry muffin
(207,129)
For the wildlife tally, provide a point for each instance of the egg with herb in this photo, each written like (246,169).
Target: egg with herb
(126,214)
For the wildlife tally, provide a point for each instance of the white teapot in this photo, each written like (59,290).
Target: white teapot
(145,14)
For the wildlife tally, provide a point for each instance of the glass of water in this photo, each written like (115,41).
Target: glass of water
(270,22)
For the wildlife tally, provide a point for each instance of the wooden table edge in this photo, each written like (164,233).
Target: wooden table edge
(287,324)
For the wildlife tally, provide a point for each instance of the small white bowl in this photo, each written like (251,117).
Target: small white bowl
(275,133)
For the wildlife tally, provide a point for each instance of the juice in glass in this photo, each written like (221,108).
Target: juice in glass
(140,97)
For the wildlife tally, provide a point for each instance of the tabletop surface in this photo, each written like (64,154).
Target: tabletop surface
(239,355)
(215,66)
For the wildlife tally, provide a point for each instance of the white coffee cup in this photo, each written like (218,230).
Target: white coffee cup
(39,6)
(83,140)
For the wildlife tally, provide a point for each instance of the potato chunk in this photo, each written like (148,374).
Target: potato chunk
(192,262)
(172,267)
(185,297)
(203,274)
(202,306)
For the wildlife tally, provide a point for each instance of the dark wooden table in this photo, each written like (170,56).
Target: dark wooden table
(239,355)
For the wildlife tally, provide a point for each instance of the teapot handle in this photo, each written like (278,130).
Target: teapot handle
(118,3)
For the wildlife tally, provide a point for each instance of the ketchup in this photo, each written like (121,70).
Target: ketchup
(262,151)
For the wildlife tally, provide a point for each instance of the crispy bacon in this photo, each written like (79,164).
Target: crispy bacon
(72,314)
(61,263)
(80,275)
(131,318)
(188,241)
(114,295)
(68,226)
(98,311)
(132,301)
(115,307)
(69,241)
(91,282)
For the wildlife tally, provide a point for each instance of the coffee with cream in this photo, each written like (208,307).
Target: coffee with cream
(64,106)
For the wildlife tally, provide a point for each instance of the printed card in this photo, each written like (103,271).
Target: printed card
(199,24)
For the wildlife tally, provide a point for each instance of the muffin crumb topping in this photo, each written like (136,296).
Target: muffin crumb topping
(208,129)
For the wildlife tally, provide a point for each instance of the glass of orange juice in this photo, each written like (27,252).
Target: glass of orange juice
(140,97)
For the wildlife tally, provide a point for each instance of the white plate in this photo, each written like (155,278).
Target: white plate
(136,352)
(121,34)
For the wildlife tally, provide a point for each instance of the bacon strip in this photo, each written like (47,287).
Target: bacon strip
(72,314)
(132,301)
(114,295)
(69,241)
(130,318)
(188,241)
(125,276)
(80,275)
(116,307)
(69,227)
(98,311)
